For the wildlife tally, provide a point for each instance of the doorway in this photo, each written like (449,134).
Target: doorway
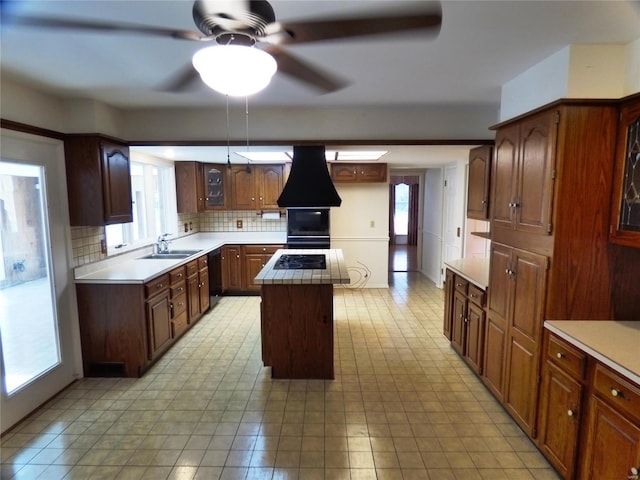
(38,323)
(404,193)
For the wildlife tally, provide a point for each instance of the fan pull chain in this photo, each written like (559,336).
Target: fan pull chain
(246,115)
(228,147)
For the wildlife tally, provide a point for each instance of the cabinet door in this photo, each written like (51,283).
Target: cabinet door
(448,303)
(613,444)
(527,282)
(344,173)
(372,172)
(559,419)
(215,186)
(478,184)
(203,290)
(116,183)
(269,186)
(159,323)
(189,187)
(193,291)
(625,208)
(474,336)
(242,185)
(253,265)
(458,329)
(503,181)
(231,268)
(534,192)
(495,338)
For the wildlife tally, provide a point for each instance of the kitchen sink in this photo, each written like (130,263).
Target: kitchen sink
(170,255)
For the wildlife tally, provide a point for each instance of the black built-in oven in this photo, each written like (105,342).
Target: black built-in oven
(308,228)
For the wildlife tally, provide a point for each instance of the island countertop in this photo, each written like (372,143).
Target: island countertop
(614,343)
(335,273)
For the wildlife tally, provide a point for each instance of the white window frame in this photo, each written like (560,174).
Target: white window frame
(162,220)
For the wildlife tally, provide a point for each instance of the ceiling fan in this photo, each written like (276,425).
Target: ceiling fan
(252,23)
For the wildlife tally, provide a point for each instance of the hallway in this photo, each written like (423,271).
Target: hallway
(403,258)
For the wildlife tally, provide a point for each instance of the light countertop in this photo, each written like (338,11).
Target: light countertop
(616,344)
(476,270)
(129,268)
(336,271)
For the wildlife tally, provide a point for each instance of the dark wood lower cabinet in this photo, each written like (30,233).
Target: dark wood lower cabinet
(124,328)
(159,323)
(559,422)
(493,361)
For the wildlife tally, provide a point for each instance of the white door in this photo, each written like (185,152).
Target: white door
(452,239)
(39,339)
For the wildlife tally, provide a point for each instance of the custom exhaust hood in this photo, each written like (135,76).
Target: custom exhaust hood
(309,183)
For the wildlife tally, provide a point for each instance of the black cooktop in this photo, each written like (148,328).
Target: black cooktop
(301,262)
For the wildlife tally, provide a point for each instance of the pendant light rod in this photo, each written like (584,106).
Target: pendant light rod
(228,147)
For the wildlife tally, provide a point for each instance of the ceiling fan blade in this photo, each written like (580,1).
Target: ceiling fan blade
(304,72)
(181,80)
(72,24)
(428,18)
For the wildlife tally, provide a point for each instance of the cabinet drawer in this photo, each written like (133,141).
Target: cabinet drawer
(460,284)
(261,249)
(617,391)
(192,267)
(178,274)
(567,357)
(178,305)
(156,285)
(178,288)
(179,325)
(202,262)
(476,295)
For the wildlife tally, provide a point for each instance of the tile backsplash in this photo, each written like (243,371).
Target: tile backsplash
(242,221)
(87,242)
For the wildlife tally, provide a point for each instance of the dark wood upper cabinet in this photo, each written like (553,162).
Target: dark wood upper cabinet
(478,184)
(256,187)
(523,172)
(98,181)
(358,172)
(189,187)
(625,205)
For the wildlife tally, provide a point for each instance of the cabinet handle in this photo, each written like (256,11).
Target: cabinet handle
(159,285)
(484,202)
(237,256)
(473,295)
(458,284)
(634,473)
(570,413)
(560,355)
(179,275)
(180,289)
(466,320)
(181,304)
(253,198)
(615,392)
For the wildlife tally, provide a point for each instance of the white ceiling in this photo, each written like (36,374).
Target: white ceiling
(481,46)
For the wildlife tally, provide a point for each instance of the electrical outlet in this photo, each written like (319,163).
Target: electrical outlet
(186,227)
(372,224)
(103,246)
(190,226)
(238,223)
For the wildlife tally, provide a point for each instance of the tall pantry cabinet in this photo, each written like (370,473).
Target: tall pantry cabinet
(550,193)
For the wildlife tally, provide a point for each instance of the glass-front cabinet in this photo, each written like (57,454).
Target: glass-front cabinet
(215,185)
(625,215)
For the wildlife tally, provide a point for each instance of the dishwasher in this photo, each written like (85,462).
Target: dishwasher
(214,260)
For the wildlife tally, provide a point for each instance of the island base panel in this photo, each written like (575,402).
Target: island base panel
(297,336)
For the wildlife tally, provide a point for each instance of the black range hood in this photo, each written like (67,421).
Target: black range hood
(309,183)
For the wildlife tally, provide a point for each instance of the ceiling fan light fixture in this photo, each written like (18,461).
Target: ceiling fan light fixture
(235,70)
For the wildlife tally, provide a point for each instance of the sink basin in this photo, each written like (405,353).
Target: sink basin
(165,256)
(170,254)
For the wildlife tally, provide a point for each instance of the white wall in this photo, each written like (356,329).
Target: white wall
(432,225)
(360,227)
(575,71)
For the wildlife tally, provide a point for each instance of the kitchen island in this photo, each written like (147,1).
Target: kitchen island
(297,313)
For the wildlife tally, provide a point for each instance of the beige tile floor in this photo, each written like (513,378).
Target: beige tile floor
(403,406)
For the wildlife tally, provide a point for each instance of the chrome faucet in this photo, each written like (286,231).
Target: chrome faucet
(162,245)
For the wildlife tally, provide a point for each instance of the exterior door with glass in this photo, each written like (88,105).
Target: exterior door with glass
(39,340)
